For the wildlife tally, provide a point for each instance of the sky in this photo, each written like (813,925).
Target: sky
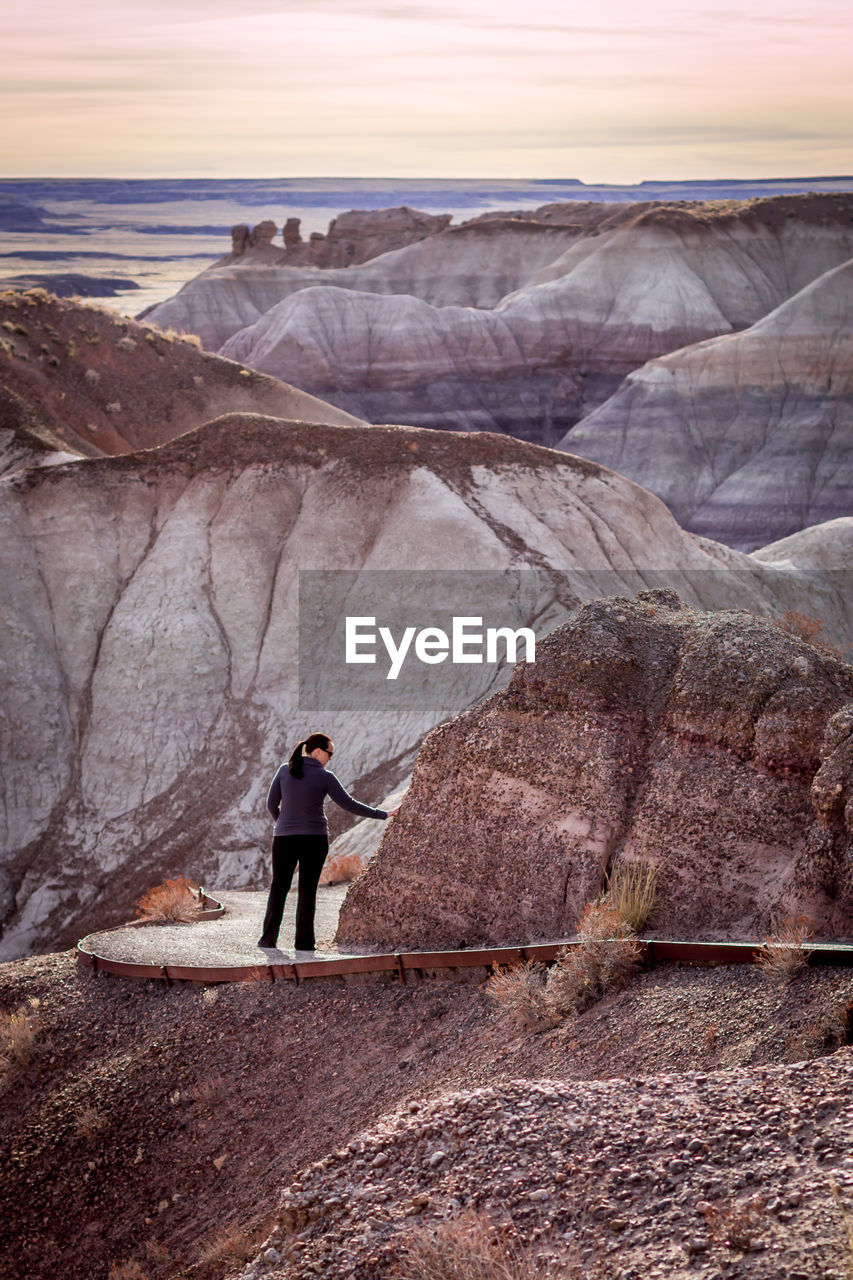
(609,92)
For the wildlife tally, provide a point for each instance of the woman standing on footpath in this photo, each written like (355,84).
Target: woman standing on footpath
(301,837)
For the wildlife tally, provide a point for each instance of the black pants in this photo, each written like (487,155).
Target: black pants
(309,853)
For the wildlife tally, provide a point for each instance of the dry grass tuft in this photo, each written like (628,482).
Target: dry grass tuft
(604,959)
(631,889)
(808,629)
(231,1248)
(783,955)
(173,900)
(341,869)
(519,992)
(129,1270)
(18,1041)
(89,1124)
(468,1247)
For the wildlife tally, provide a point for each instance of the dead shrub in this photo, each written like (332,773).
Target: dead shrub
(173,900)
(129,1270)
(519,991)
(783,955)
(341,869)
(211,1091)
(631,889)
(468,1247)
(89,1124)
(231,1248)
(605,956)
(737,1223)
(808,629)
(18,1041)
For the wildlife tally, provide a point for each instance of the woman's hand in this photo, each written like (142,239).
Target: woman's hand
(392,813)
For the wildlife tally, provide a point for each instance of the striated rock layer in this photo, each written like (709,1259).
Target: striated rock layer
(517,325)
(150,647)
(712,745)
(747,438)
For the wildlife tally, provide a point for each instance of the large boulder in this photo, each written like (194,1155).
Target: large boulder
(712,745)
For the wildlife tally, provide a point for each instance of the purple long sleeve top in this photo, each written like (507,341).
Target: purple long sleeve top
(297,803)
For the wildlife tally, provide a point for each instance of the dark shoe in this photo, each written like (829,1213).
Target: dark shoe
(268,946)
(297,947)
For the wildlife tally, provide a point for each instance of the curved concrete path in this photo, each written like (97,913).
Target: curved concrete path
(226,941)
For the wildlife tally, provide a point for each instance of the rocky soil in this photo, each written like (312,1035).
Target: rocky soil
(150,1122)
(77,378)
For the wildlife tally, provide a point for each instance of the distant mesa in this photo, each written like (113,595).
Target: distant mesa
(68,285)
(713,746)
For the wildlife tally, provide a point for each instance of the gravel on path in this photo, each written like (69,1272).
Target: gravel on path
(226,941)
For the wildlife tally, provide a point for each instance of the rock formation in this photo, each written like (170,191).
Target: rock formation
(150,639)
(747,438)
(550,350)
(474,265)
(714,746)
(93,383)
(586,306)
(352,238)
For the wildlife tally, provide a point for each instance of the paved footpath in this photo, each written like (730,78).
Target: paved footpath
(227,941)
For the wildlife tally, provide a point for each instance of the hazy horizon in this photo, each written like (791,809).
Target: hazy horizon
(422,89)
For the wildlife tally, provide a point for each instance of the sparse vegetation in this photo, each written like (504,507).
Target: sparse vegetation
(467,1247)
(605,957)
(173,900)
(783,955)
(18,1040)
(809,629)
(126,344)
(128,1270)
(519,991)
(92,377)
(631,889)
(737,1223)
(342,869)
(231,1248)
(89,1123)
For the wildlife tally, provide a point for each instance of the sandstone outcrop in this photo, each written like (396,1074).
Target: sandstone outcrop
(712,745)
(554,348)
(747,438)
(150,631)
(94,383)
(352,238)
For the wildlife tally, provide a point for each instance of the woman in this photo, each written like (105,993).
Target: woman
(296,798)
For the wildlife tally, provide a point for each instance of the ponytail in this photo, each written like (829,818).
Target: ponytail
(304,748)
